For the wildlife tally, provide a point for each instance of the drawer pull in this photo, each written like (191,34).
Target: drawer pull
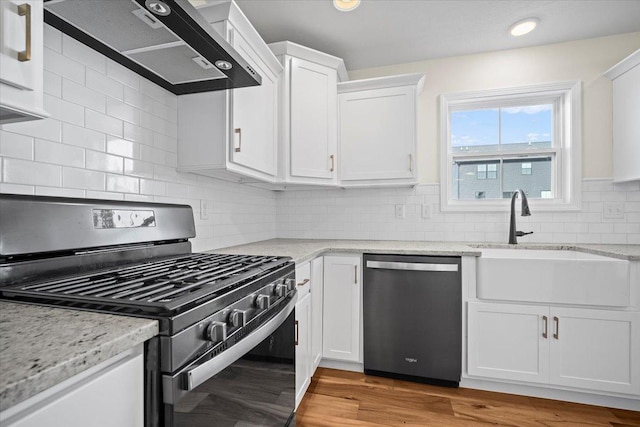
(304,282)
(25,10)
(557,331)
(332,163)
(546,327)
(239,132)
(296,341)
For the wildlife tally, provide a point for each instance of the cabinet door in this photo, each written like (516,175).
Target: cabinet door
(342,302)
(595,349)
(303,346)
(626,134)
(110,397)
(377,134)
(21,84)
(508,341)
(254,115)
(313,126)
(317,279)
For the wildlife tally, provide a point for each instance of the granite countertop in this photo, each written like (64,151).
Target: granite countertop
(302,250)
(43,346)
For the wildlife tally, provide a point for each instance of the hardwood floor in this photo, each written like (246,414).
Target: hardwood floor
(341,398)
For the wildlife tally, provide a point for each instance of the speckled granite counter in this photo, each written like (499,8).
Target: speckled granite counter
(302,250)
(42,346)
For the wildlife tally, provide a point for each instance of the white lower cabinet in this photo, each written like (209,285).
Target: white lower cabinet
(342,308)
(574,347)
(303,331)
(110,394)
(317,286)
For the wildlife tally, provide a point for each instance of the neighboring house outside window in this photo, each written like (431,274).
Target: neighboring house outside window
(496,141)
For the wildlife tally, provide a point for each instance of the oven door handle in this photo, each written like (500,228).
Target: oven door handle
(198,375)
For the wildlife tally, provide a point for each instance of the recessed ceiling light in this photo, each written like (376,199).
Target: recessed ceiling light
(523,27)
(346,5)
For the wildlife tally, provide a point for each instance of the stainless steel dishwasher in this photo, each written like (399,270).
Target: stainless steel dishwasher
(413,318)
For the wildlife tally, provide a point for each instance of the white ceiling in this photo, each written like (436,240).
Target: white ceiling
(384,32)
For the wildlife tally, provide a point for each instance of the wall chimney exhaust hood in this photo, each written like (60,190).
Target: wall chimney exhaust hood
(166,41)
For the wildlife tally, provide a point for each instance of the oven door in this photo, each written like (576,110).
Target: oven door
(252,383)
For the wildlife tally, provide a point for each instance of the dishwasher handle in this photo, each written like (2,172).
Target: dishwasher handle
(412,266)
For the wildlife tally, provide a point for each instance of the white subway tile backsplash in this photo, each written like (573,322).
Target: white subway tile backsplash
(138,134)
(122,147)
(59,192)
(122,111)
(52,38)
(77,51)
(17,188)
(123,184)
(82,137)
(45,129)
(103,123)
(52,84)
(153,155)
(138,100)
(81,95)
(101,83)
(99,161)
(16,145)
(63,110)
(105,195)
(123,75)
(83,179)
(63,66)
(138,168)
(154,188)
(58,154)
(18,171)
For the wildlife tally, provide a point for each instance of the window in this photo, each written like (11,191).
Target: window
(497,141)
(482,171)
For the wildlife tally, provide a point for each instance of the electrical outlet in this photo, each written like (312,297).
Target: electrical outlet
(613,210)
(400,211)
(204,210)
(426,211)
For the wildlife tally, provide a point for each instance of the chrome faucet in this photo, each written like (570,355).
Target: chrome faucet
(524,212)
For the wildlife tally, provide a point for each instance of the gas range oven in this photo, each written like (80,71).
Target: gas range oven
(225,354)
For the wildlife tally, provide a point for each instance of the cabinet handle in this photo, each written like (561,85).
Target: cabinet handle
(239,132)
(355,276)
(557,323)
(545,320)
(410,162)
(25,10)
(332,163)
(304,282)
(296,340)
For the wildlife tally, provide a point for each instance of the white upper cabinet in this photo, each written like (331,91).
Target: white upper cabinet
(626,108)
(233,132)
(308,114)
(21,59)
(378,130)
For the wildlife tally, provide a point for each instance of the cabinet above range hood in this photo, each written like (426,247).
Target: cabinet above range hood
(166,41)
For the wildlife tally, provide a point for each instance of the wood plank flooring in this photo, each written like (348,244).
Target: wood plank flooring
(341,398)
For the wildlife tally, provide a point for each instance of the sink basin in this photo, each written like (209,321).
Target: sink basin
(553,276)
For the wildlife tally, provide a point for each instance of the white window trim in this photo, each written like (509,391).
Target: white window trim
(568,152)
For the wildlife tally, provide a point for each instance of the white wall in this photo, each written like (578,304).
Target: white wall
(112,135)
(583,60)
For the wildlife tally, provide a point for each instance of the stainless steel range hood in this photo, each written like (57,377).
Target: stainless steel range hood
(167,41)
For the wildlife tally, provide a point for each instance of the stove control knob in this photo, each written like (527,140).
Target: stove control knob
(263,301)
(291,284)
(238,318)
(217,332)
(282,290)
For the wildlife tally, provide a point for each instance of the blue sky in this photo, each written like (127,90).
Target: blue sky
(531,123)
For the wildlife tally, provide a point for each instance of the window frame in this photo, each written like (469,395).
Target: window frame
(566,151)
